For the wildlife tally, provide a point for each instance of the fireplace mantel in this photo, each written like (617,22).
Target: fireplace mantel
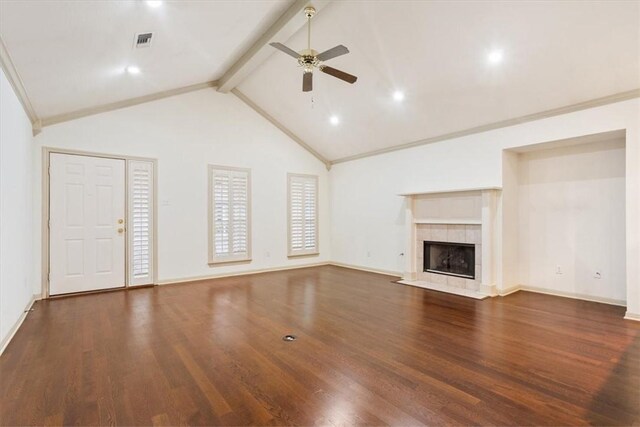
(447,221)
(450,190)
(455,212)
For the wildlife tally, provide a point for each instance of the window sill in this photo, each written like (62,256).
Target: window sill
(222,263)
(303,255)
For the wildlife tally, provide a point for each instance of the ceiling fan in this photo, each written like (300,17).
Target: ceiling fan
(310,59)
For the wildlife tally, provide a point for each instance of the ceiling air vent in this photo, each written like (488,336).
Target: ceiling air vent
(143,39)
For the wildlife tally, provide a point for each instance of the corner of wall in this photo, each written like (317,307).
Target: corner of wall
(16,209)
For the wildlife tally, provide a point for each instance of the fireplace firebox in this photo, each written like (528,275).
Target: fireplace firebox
(452,259)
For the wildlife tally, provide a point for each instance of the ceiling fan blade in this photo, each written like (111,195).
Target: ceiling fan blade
(285,49)
(333,52)
(339,74)
(307,82)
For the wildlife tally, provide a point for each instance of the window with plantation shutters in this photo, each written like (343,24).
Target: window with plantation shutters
(140,222)
(303,214)
(229,214)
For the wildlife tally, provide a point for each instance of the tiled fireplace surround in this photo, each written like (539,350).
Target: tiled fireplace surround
(453,216)
(449,233)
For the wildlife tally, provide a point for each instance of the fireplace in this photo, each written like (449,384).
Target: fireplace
(452,259)
(452,241)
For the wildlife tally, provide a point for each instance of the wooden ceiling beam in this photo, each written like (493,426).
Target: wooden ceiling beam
(281,30)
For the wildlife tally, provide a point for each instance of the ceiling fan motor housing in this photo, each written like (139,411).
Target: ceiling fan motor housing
(308,60)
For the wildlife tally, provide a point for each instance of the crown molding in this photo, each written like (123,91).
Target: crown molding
(281,30)
(90,111)
(280,126)
(18,86)
(611,99)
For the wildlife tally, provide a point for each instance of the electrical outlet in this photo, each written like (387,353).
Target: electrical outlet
(267,254)
(558,269)
(368,254)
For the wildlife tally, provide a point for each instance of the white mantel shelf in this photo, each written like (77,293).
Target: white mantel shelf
(447,221)
(451,190)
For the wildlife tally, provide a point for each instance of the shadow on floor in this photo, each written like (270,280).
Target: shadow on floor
(620,394)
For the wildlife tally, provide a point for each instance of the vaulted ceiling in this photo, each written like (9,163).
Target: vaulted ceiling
(70,55)
(554,54)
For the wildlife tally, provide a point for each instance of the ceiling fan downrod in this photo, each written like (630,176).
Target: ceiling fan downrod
(309,11)
(308,58)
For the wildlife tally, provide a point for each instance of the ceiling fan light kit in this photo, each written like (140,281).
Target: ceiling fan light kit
(309,58)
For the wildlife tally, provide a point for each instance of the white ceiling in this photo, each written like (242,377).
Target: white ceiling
(555,54)
(71,54)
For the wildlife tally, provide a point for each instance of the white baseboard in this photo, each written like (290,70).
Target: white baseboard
(632,316)
(367,269)
(239,273)
(488,290)
(272,269)
(5,342)
(503,292)
(510,290)
(553,292)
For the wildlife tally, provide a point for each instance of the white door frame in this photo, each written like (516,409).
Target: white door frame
(46,151)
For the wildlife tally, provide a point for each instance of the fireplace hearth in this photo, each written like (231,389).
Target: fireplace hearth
(452,259)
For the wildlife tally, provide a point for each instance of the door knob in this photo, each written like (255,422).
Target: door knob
(120,230)
(120,221)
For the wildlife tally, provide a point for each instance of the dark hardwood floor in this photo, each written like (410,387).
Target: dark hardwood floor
(368,352)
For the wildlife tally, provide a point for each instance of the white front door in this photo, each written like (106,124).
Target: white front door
(86,230)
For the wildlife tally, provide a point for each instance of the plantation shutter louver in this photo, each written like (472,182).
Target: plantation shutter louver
(303,214)
(230,207)
(140,222)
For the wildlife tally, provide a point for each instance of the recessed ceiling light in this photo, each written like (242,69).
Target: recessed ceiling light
(154,3)
(495,56)
(132,69)
(398,96)
(334,120)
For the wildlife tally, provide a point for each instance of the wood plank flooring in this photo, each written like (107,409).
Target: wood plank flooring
(368,351)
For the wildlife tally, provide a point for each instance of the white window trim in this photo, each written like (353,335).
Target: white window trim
(213,260)
(306,252)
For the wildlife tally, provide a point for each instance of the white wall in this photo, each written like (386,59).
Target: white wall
(508,275)
(186,133)
(16,269)
(367,217)
(571,216)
